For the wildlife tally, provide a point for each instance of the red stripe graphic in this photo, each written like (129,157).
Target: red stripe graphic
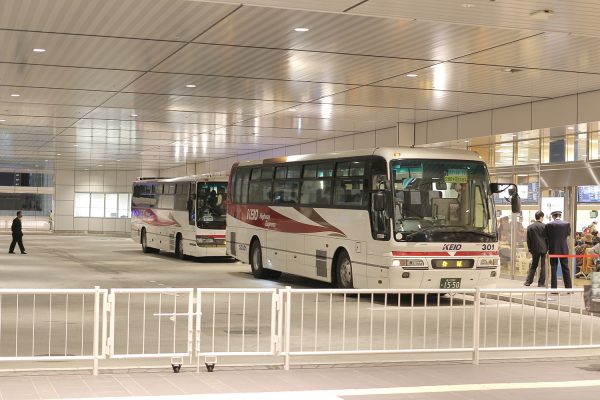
(442,253)
(266,217)
(211,236)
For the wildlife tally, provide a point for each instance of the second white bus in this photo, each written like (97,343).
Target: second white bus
(186,215)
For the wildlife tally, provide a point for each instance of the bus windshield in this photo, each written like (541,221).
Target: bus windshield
(442,200)
(211,205)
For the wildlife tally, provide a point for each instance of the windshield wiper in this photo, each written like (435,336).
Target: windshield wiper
(450,228)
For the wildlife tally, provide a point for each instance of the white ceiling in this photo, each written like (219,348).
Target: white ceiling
(111,89)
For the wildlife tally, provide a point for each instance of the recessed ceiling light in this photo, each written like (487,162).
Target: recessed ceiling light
(511,70)
(86,169)
(39,50)
(46,160)
(293,110)
(514,135)
(301,29)
(468,5)
(2,120)
(75,145)
(99,165)
(15,95)
(118,160)
(412,75)
(466,141)
(58,154)
(134,115)
(190,85)
(570,128)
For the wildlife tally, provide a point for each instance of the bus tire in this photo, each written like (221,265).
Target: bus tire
(179,248)
(343,271)
(144,242)
(256,264)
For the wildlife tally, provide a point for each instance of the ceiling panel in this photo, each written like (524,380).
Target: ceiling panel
(285,64)
(148,19)
(65,77)
(553,51)
(497,80)
(54,96)
(247,88)
(83,51)
(580,16)
(350,34)
(329,5)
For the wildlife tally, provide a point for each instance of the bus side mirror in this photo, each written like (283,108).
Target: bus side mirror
(515,203)
(379,201)
(495,188)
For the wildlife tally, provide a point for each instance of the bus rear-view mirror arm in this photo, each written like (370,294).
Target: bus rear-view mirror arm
(515,200)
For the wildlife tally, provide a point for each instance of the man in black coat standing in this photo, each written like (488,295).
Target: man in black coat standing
(17,234)
(538,247)
(557,232)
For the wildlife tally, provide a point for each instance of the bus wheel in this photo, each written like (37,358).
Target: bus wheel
(179,248)
(256,263)
(344,271)
(256,260)
(145,247)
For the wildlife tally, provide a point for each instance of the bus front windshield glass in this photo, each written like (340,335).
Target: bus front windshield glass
(442,200)
(211,205)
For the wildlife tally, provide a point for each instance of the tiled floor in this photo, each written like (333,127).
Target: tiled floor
(559,380)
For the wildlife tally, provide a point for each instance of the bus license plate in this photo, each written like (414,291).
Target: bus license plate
(450,283)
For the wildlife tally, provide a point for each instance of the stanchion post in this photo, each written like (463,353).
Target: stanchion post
(288,325)
(476,322)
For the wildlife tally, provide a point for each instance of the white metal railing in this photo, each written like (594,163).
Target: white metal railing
(154,323)
(306,324)
(237,322)
(52,324)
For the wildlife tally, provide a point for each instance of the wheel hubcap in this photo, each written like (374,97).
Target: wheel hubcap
(346,273)
(256,256)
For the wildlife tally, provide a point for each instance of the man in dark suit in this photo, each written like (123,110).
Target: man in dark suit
(17,234)
(557,232)
(538,247)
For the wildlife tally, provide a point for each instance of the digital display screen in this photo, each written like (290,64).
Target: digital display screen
(588,194)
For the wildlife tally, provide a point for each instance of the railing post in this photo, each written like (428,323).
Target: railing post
(96,327)
(476,322)
(288,324)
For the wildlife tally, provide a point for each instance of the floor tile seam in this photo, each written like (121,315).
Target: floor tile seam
(131,381)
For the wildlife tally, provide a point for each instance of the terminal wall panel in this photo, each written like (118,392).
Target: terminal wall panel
(344,143)
(292,150)
(588,107)
(279,152)
(386,137)
(265,154)
(554,112)
(420,133)
(308,148)
(406,134)
(96,225)
(442,130)
(325,146)
(62,177)
(81,224)
(63,223)
(364,140)
(511,119)
(109,225)
(475,125)
(110,181)
(121,225)
(64,192)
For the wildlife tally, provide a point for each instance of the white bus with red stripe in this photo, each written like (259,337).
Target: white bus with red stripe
(379,218)
(185,216)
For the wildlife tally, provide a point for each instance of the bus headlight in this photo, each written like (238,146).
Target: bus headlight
(408,262)
(489,262)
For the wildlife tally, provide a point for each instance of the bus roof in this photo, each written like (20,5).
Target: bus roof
(190,178)
(388,153)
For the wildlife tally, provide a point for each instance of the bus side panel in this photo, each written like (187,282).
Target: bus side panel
(295,253)
(274,250)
